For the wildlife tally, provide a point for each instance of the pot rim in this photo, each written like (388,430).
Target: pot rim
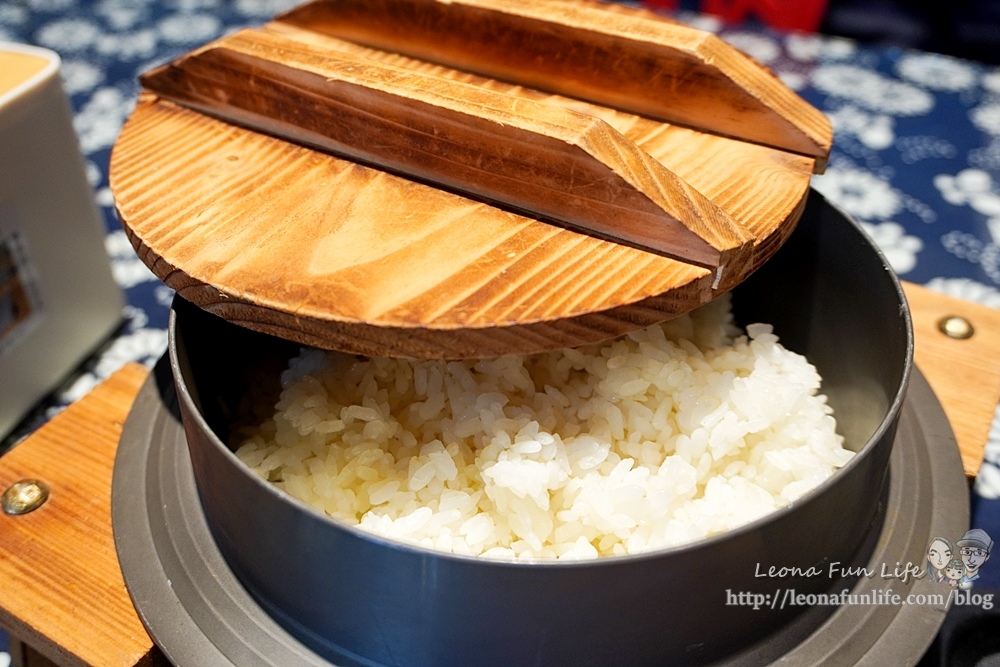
(815,494)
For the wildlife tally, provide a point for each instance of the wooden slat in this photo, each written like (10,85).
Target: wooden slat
(964,374)
(629,60)
(554,162)
(61,590)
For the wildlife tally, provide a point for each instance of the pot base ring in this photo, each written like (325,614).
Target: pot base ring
(199,614)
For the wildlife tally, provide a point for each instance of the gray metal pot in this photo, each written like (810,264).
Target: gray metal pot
(357,599)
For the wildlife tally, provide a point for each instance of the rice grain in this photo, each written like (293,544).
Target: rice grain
(668,435)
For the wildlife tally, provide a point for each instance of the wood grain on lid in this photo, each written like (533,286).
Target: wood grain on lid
(229,201)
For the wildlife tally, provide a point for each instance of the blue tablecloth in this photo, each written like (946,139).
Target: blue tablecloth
(916,156)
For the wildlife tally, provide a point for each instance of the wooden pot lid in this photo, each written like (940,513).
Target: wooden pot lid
(377,176)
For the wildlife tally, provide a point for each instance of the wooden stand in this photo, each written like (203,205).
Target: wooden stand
(62,596)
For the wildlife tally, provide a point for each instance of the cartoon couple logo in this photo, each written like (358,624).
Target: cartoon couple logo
(961,570)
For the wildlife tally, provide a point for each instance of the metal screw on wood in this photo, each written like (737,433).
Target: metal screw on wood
(24,496)
(956,326)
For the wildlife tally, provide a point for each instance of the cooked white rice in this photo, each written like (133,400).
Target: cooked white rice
(668,435)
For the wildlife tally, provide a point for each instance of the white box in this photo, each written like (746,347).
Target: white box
(58,300)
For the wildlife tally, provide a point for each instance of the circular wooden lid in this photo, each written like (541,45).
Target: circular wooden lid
(246,219)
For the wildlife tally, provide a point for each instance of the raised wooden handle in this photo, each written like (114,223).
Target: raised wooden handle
(554,162)
(629,60)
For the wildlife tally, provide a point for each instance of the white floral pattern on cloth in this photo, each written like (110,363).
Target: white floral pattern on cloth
(976,189)
(936,72)
(872,90)
(873,130)
(860,193)
(139,343)
(100,120)
(899,248)
(970,290)
(762,48)
(127,268)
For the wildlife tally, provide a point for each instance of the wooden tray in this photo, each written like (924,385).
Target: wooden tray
(429,239)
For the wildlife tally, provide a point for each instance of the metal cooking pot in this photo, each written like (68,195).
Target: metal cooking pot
(357,599)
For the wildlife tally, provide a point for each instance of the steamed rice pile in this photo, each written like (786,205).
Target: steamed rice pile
(671,434)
